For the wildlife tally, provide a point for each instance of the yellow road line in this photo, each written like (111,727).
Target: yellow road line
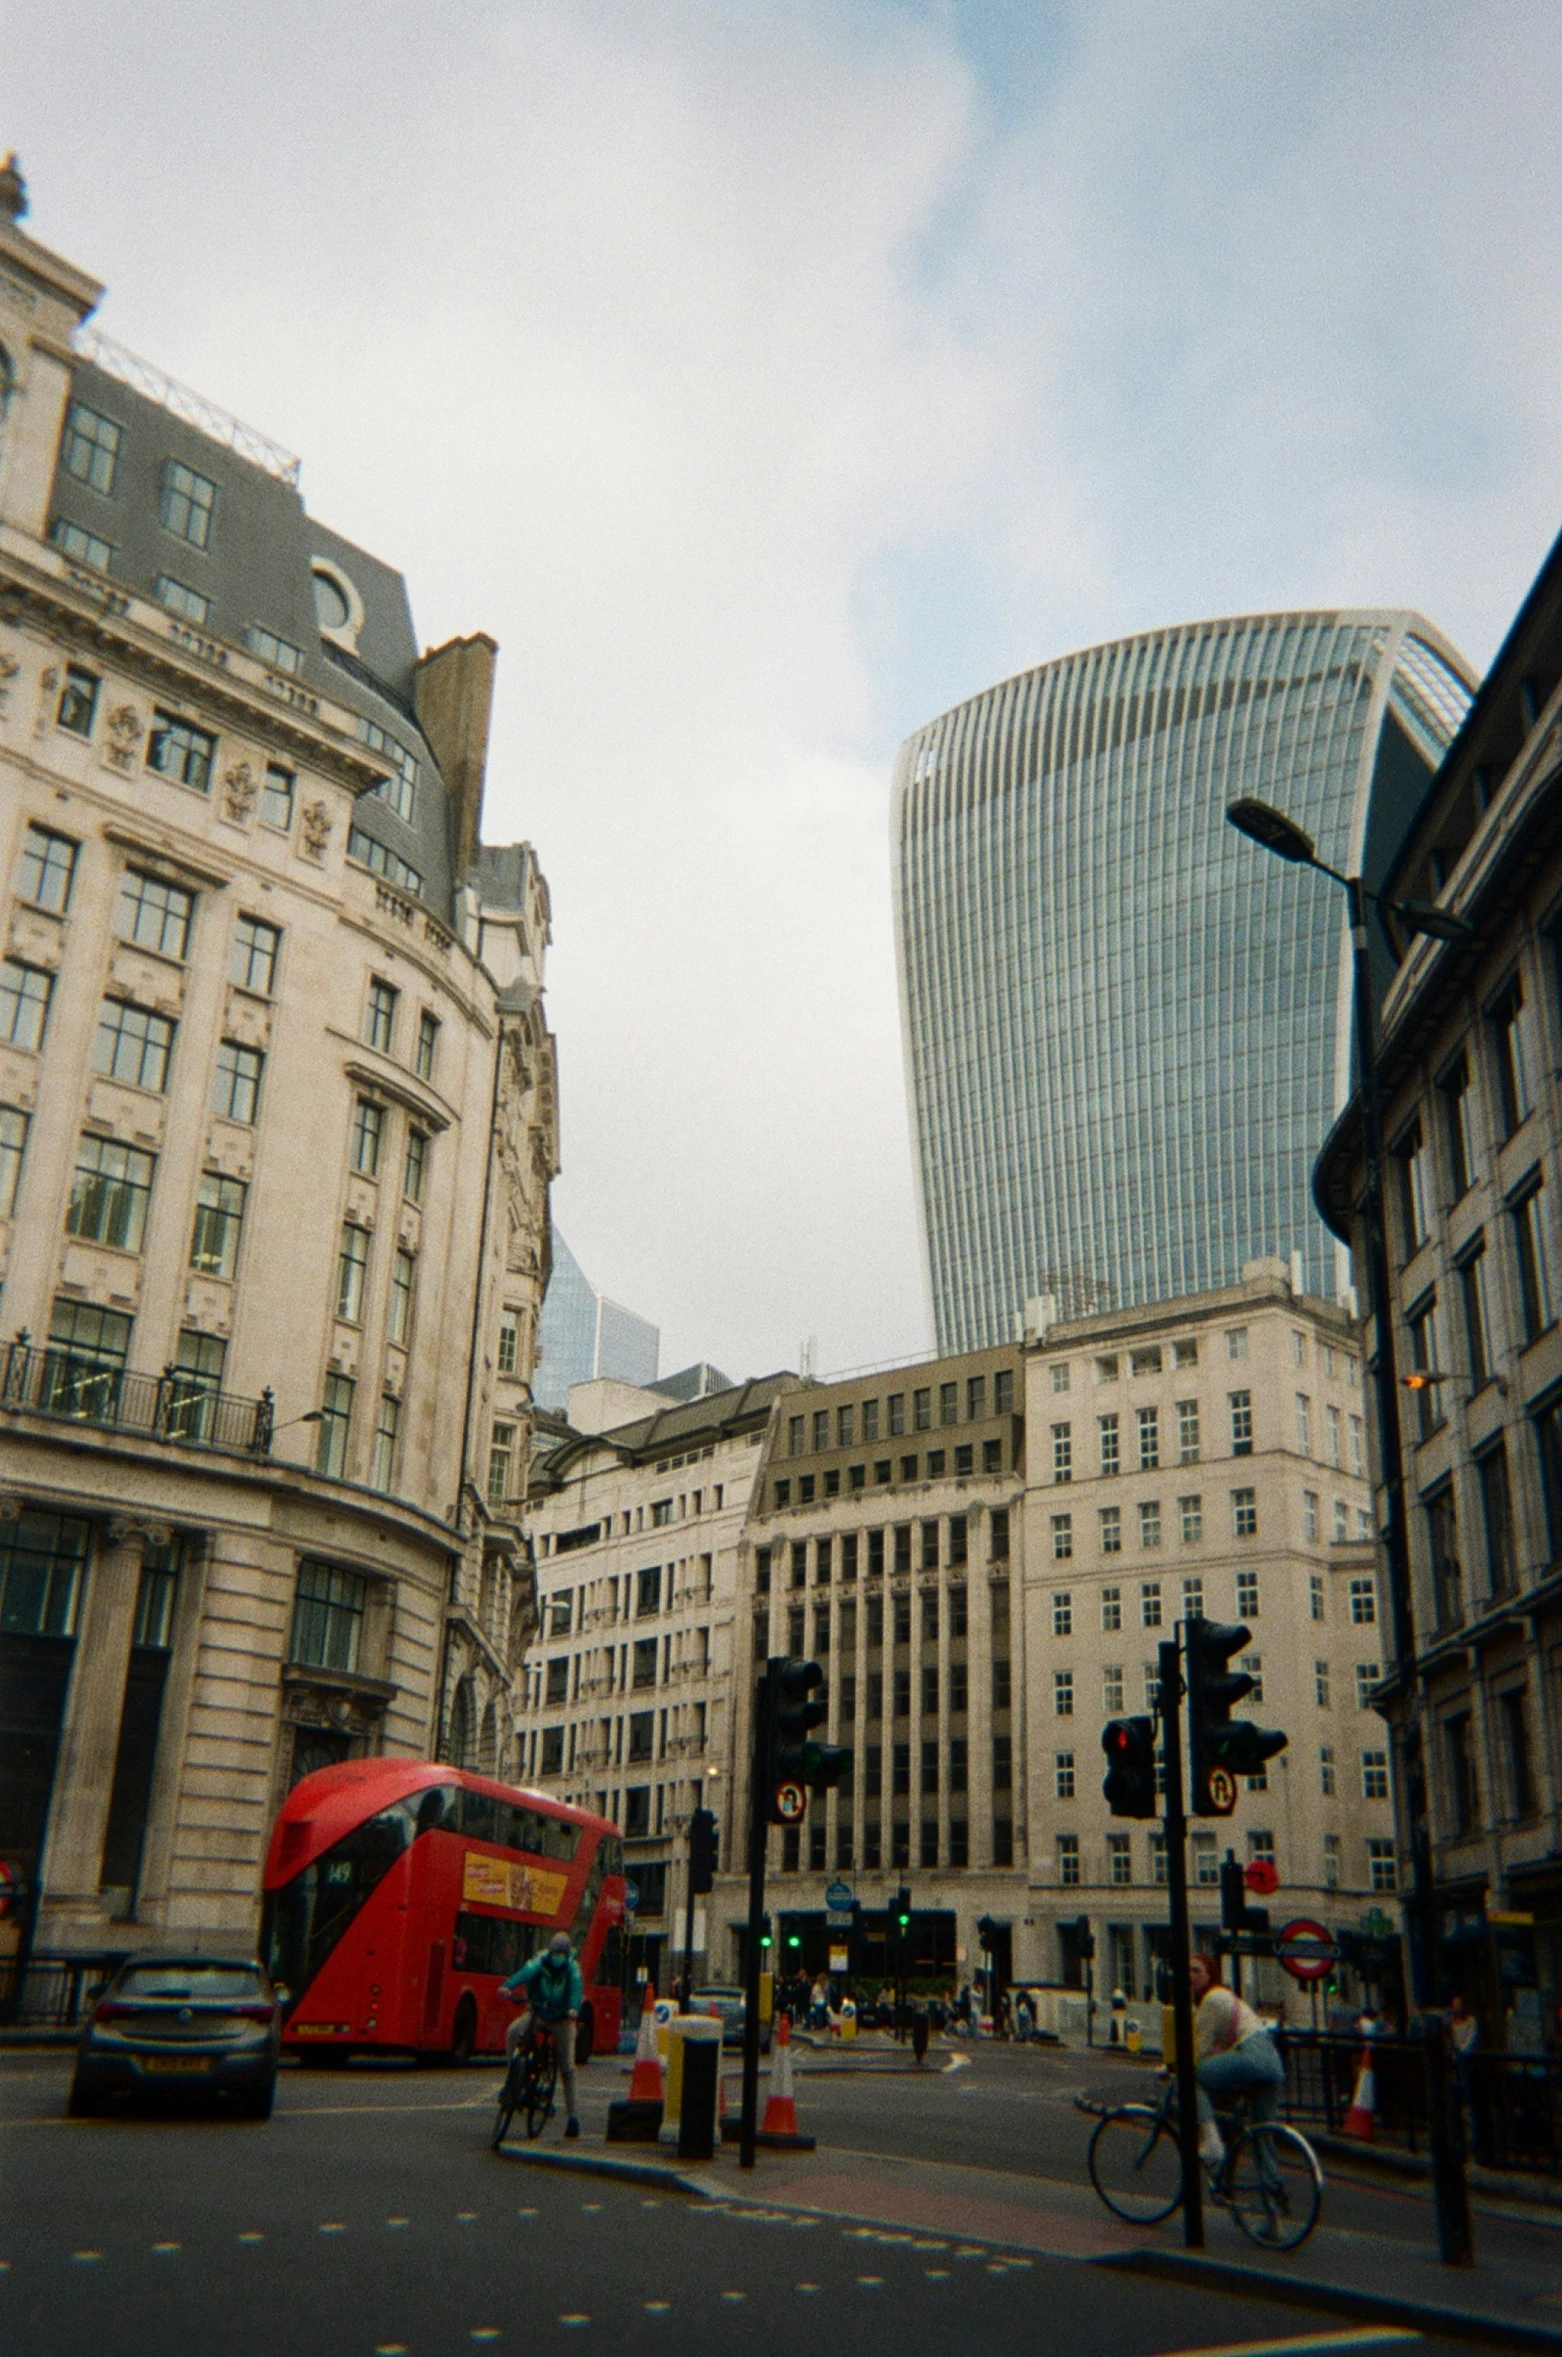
(1378,2336)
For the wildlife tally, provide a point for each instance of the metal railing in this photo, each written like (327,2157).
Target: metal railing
(145,377)
(175,1405)
(1511,2104)
(54,1991)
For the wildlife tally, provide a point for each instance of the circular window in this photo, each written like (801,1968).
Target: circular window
(332,611)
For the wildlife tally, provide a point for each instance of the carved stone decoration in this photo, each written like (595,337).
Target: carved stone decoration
(315,822)
(48,682)
(122,738)
(239,791)
(9,667)
(123,1528)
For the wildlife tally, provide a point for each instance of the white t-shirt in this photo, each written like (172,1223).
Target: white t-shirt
(1223,2021)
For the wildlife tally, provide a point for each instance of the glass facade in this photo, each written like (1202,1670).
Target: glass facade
(1127,1028)
(582,1335)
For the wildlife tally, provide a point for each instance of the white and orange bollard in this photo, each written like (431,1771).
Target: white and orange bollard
(1361,2121)
(639,2119)
(778,2131)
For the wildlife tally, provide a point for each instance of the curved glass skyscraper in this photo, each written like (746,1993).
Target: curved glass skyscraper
(1126,1028)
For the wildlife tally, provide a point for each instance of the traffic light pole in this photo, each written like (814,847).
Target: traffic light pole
(1456,2244)
(758,1833)
(1176,1823)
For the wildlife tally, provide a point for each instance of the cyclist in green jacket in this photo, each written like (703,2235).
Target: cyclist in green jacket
(551,1989)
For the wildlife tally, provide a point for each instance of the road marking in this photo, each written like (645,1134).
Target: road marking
(85,2258)
(808,2287)
(936,2274)
(591,2205)
(465,2217)
(657,2307)
(252,2238)
(568,2320)
(489,2332)
(168,2246)
(332,2226)
(390,2349)
(870,2279)
(398,2222)
(734,2295)
(530,2211)
(650,2205)
(1378,2337)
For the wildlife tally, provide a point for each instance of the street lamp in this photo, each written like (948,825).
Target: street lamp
(1275,832)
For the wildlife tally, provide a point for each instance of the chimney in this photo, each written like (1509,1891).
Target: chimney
(453,695)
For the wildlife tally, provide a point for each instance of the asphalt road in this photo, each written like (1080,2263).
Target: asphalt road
(368,2216)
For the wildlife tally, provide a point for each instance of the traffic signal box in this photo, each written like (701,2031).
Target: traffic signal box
(796,1763)
(1129,1787)
(703,1833)
(1220,1748)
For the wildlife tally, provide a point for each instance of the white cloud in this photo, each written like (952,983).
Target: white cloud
(763,382)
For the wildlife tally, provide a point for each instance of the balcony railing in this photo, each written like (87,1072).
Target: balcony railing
(174,1406)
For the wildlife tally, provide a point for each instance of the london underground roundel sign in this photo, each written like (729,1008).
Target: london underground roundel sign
(791,1801)
(1305,1950)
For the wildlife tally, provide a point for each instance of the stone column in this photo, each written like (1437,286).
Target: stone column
(89,1737)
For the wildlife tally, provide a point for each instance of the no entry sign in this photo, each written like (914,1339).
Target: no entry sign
(1306,1950)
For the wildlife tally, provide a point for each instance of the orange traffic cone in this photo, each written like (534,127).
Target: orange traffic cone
(1362,2118)
(778,2130)
(645,2086)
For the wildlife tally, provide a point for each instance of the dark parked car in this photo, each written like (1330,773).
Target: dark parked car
(730,2007)
(195,2024)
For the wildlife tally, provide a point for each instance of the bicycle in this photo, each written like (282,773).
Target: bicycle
(530,2078)
(1269,2177)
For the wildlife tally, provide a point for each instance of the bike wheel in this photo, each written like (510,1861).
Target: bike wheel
(509,2096)
(1275,2186)
(1135,2164)
(539,2093)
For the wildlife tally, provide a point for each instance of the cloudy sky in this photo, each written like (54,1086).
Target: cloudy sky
(766,378)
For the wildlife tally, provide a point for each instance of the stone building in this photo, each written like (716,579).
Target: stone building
(277,1125)
(637,1513)
(1206,1456)
(883,1542)
(1470,1054)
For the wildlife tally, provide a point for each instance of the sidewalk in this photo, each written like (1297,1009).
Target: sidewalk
(1512,2298)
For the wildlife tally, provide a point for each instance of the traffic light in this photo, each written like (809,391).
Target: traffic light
(764,1933)
(797,1764)
(1084,1940)
(1129,1786)
(902,1910)
(1220,1748)
(987,1933)
(702,1852)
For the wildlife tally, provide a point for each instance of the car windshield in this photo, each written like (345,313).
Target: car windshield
(191,1983)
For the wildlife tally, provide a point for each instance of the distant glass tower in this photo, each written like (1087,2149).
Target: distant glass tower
(583,1335)
(1126,1028)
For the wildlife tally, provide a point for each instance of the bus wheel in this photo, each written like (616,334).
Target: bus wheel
(585,2038)
(463,2037)
(322,2058)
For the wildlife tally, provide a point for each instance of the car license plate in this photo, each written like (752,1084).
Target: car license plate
(174,2062)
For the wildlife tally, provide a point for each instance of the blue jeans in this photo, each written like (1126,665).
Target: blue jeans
(1253,2069)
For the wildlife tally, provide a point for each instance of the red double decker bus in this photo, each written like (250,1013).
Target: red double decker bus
(399,1893)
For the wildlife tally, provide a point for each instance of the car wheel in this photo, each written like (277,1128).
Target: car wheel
(463,2037)
(585,2038)
(256,2105)
(83,2102)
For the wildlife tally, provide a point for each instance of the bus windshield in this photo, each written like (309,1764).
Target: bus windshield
(303,1921)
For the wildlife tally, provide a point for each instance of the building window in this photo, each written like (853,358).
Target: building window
(382,1467)
(1363,1602)
(187,503)
(509,1355)
(1247,1595)
(1111,1529)
(1060,1375)
(1190,1517)
(1491,1472)
(336,1409)
(1206,1859)
(1382,1866)
(153,914)
(78,704)
(1321,1684)
(1374,1775)
(1119,1860)
(252,963)
(1111,1609)
(1062,1452)
(1532,1262)
(178,749)
(182,600)
(133,1045)
(1358,1453)
(88,548)
(352,1264)
(401,787)
(1150,1522)
(501,1463)
(48,870)
(110,1192)
(1193,1597)
(1068,1860)
(89,449)
(236,1082)
(1515,1734)
(1368,1675)
(24,1004)
(1244,1513)
(1063,1694)
(280,653)
(1107,1431)
(13,1145)
(998,1535)
(276,798)
(1304,1429)
(380,1022)
(42,1559)
(367,1130)
(1507,1030)
(1003,1392)
(415,1175)
(328,1612)
(1149,1439)
(1332,1425)
(1146,1361)
(1150,1604)
(1158,1858)
(1062,1613)
(1063,1775)
(1326,1770)
(1331,1859)
(643,1662)
(1188,1431)
(382,862)
(1236,1342)
(1310,1515)
(1062,1536)
(428,1044)
(1463,1789)
(1410,1173)
(1458,1127)
(219,1217)
(1241,1423)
